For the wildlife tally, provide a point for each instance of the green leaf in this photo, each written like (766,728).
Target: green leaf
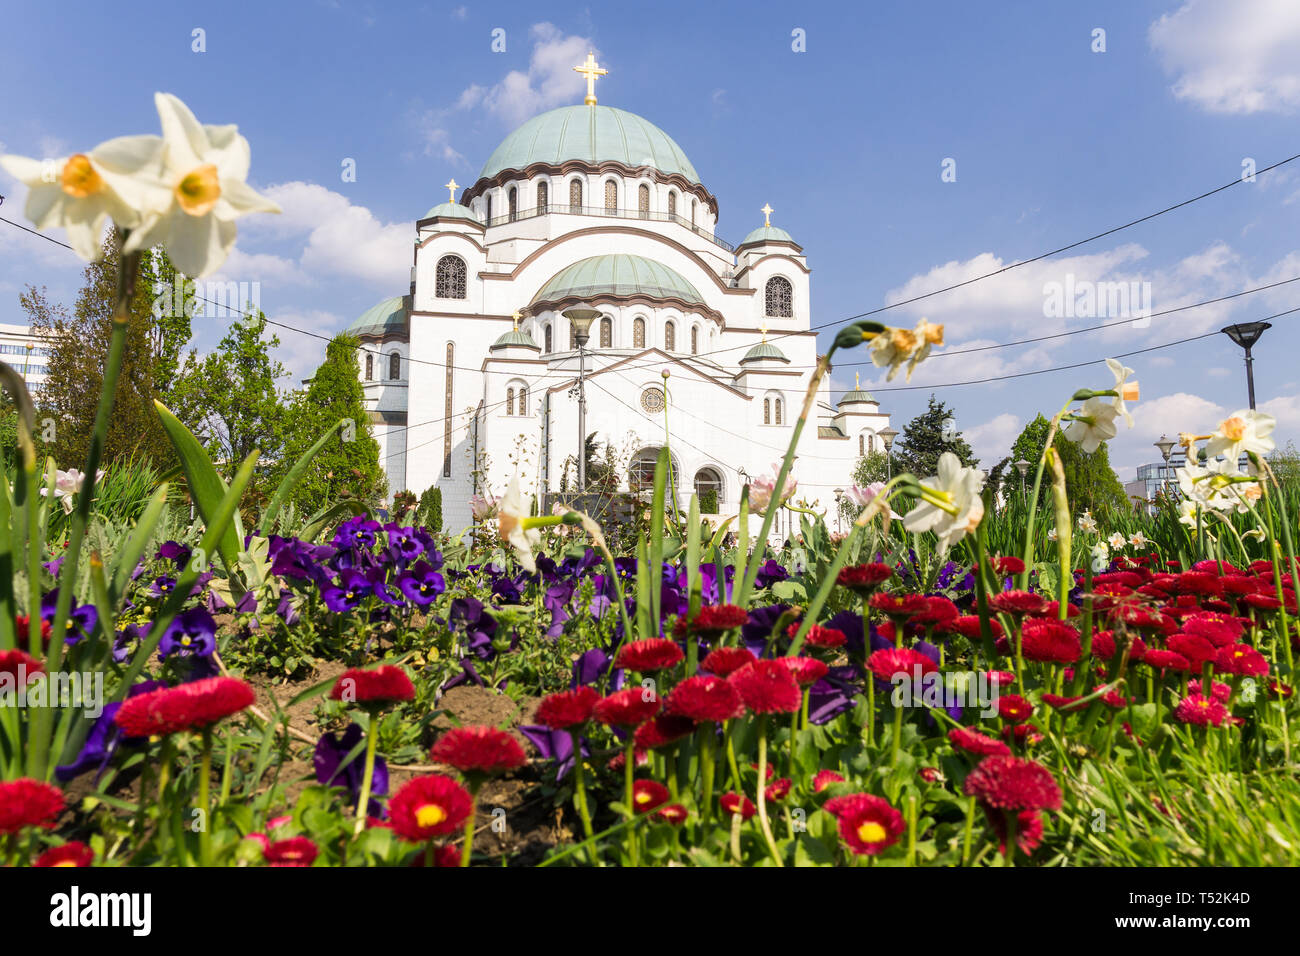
(286,487)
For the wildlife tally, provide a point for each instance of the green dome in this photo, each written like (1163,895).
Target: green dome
(515,337)
(857,395)
(764,350)
(618,274)
(452,210)
(383,319)
(768,234)
(594,134)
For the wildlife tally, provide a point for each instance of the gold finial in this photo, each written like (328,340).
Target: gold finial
(763,329)
(452,187)
(590,71)
(767,214)
(516,315)
(857,381)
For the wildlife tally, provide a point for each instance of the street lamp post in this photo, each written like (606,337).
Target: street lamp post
(888,435)
(582,319)
(1247,334)
(839,508)
(1022,466)
(1166,447)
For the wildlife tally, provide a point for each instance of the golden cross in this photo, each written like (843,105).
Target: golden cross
(452,187)
(767,214)
(857,382)
(763,329)
(590,71)
(516,315)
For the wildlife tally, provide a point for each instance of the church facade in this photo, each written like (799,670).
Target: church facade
(471,377)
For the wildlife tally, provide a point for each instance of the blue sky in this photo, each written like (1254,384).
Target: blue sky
(846,140)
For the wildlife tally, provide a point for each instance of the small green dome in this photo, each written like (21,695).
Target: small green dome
(452,210)
(767,234)
(515,337)
(764,350)
(594,134)
(857,395)
(383,319)
(618,274)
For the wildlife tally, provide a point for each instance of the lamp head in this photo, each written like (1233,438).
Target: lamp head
(581,319)
(1022,466)
(1246,334)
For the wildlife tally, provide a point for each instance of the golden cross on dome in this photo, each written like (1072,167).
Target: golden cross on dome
(516,315)
(590,71)
(763,329)
(452,187)
(857,382)
(767,214)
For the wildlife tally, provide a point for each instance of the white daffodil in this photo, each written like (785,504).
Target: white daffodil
(1087,523)
(1188,512)
(762,491)
(1092,424)
(1051,534)
(1137,539)
(1125,390)
(950,503)
(1100,557)
(892,348)
(1243,431)
(513,526)
(928,334)
(1116,541)
(199,192)
(1217,486)
(80,193)
(482,506)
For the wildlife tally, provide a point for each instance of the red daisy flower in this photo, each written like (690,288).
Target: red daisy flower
(567,708)
(712,621)
(663,729)
(1001,678)
(1241,659)
(930,774)
(1265,602)
(864,578)
(1239,584)
(627,708)
(1103,644)
(1003,567)
(673,813)
(724,661)
(478,749)
(938,612)
(968,626)
(1052,609)
(1029,830)
(705,698)
(1014,708)
(295,851)
(767,687)
(778,789)
(899,607)
(20,665)
(648,656)
(734,803)
(429,806)
(640,758)
(824,778)
(1013,783)
(806,670)
(447,855)
(890,661)
(1017,602)
(1219,629)
(28,803)
(1280,690)
(191,706)
(1129,579)
(1056,701)
(972,741)
(869,825)
(72,853)
(648,795)
(1198,582)
(818,636)
(1196,649)
(376,686)
(23,621)
(1201,711)
(1162,659)
(1047,639)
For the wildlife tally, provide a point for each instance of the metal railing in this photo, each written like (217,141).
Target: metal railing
(646,216)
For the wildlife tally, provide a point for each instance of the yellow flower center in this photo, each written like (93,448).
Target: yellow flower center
(65,863)
(642,798)
(1234,429)
(430,815)
(1130,392)
(199,190)
(79,178)
(871,832)
(933,333)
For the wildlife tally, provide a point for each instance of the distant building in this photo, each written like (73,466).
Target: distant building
(27,353)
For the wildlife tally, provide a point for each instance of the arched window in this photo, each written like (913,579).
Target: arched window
(546,335)
(706,480)
(543,195)
(638,333)
(447,413)
(777,404)
(643,200)
(871,444)
(606,333)
(575,195)
(370,367)
(862,445)
(641,470)
(523,400)
(695,340)
(487,208)
(611,196)
(670,337)
(395,365)
(449,278)
(780,297)
(510,401)
(767,411)
(573,337)
(512,198)
(694,203)
(672,203)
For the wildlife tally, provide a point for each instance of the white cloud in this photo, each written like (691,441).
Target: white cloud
(1232,56)
(548,82)
(992,440)
(300,353)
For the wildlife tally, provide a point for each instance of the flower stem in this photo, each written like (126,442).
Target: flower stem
(205,799)
(467,850)
(762,791)
(706,769)
(580,785)
(367,776)
(629,770)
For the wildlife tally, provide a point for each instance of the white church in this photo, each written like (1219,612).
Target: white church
(471,377)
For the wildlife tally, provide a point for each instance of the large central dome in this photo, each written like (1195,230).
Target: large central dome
(618,275)
(594,134)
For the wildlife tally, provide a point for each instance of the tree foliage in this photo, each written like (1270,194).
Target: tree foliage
(926,437)
(1090,481)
